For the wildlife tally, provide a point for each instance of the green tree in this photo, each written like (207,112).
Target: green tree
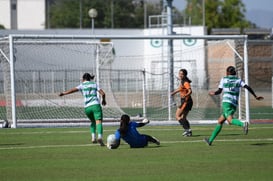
(218,13)
(232,14)
(67,13)
(2,26)
(194,11)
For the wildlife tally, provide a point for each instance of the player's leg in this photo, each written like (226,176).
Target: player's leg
(99,129)
(180,117)
(152,139)
(216,130)
(230,111)
(93,131)
(99,117)
(187,108)
(221,120)
(89,114)
(180,109)
(237,122)
(184,110)
(178,113)
(186,124)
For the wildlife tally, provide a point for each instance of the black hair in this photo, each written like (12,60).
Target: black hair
(231,70)
(186,79)
(124,122)
(87,76)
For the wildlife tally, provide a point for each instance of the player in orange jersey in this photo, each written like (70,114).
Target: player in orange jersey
(186,101)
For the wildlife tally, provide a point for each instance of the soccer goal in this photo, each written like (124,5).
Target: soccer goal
(136,75)
(35,68)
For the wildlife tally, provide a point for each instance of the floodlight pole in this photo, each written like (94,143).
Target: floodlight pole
(92,14)
(204,13)
(170,57)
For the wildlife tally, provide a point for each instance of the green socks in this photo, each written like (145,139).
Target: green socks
(216,131)
(96,127)
(99,128)
(93,127)
(237,122)
(218,128)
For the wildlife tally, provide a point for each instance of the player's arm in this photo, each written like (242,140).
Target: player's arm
(219,91)
(102,93)
(143,123)
(116,145)
(69,91)
(189,92)
(253,93)
(175,91)
(117,140)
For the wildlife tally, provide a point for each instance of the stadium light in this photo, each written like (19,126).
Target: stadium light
(92,14)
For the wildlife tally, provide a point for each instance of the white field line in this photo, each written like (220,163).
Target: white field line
(45,146)
(178,127)
(164,142)
(112,130)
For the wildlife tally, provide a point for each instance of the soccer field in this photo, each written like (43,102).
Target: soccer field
(32,154)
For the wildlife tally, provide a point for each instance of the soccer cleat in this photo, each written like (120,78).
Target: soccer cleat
(187,133)
(207,141)
(94,141)
(101,142)
(245,128)
(156,141)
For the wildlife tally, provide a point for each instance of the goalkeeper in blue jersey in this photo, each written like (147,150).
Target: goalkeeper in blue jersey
(92,106)
(230,86)
(128,132)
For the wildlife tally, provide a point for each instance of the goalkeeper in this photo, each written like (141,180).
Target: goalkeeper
(93,109)
(130,135)
(230,85)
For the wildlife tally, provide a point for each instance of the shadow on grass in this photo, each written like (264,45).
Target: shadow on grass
(261,144)
(11,144)
(195,135)
(231,134)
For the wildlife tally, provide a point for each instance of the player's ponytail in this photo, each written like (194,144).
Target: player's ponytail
(186,79)
(231,70)
(124,122)
(88,77)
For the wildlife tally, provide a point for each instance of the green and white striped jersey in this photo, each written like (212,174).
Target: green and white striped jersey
(231,85)
(89,91)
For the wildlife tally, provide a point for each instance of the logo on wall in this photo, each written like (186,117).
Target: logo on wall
(156,43)
(189,42)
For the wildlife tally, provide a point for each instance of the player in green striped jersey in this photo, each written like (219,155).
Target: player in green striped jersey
(230,86)
(92,106)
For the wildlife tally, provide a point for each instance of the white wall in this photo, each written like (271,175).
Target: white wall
(30,14)
(187,53)
(5,13)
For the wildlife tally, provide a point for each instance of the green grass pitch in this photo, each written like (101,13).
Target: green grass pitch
(58,154)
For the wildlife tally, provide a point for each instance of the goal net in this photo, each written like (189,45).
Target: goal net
(135,76)
(44,66)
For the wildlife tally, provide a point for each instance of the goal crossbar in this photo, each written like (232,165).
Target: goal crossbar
(90,38)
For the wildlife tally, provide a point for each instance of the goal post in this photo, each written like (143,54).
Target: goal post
(135,75)
(35,68)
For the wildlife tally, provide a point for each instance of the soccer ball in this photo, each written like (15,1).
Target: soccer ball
(111,140)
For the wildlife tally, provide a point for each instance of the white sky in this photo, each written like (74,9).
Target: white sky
(250,4)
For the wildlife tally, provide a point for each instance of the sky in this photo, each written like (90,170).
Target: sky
(259,12)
